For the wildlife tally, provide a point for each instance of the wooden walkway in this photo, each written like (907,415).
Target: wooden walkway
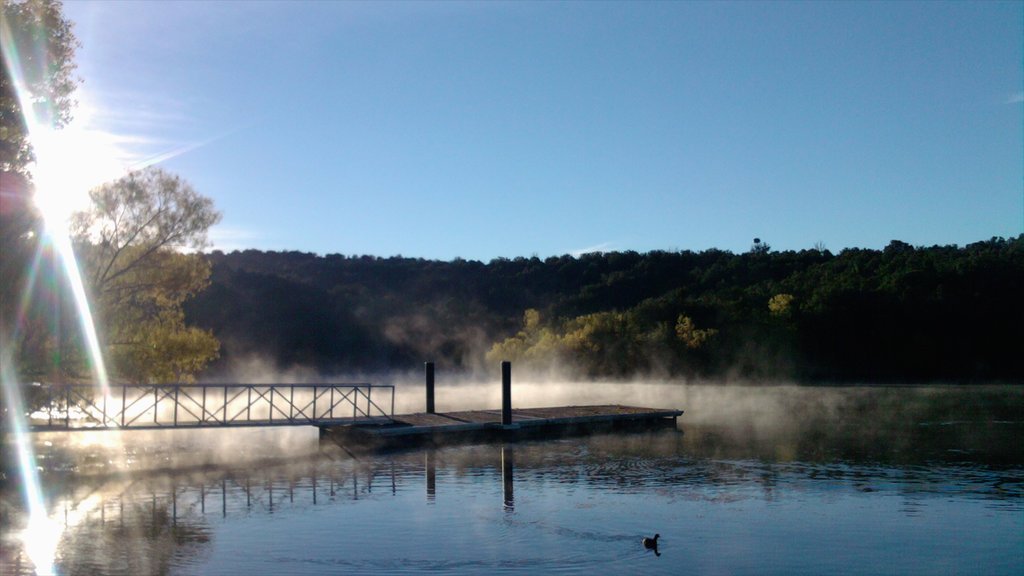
(409,430)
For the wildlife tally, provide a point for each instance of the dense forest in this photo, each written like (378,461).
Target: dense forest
(901,314)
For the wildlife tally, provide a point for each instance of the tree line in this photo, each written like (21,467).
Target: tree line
(903,313)
(167,312)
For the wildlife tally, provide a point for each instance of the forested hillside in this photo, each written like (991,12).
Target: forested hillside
(904,313)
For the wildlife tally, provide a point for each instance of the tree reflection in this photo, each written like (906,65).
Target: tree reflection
(163,521)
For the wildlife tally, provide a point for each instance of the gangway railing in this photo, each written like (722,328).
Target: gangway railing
(162,406)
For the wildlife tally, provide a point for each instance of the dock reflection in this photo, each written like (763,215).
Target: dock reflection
(507,473)
(507,468)
(112,521)
(431,476)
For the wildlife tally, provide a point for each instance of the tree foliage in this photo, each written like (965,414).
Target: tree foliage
(38,50)
(903,313)
(129,243)
(40,44)
(692,337)
(161,349)
(781,305)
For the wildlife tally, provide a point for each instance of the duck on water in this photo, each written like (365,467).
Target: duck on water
(652,543)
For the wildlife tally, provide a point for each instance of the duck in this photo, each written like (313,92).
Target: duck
(651,543)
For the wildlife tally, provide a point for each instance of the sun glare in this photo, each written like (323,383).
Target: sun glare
(69,163)
(41,538)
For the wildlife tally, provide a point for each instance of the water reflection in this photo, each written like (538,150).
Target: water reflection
(431,473)
(507,472)
(576,505)
(156,524)
(507,467)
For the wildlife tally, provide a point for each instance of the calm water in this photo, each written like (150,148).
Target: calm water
(771,480)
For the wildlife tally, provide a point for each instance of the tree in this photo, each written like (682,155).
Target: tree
(759,247)
(694,338)
(781,305)
(132,245)
(38,60)
(39,48)
(535,343)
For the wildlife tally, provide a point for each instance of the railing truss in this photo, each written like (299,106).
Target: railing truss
(161,406)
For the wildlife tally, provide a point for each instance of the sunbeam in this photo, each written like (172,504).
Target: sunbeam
(42,534)
(66,166)
(62,243)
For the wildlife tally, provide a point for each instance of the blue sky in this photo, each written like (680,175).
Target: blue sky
(483,130)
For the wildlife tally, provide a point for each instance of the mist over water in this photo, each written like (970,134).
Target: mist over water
(777,479)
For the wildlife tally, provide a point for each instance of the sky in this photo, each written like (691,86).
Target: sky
(488,129)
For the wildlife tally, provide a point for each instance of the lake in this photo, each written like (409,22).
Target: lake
(753,480)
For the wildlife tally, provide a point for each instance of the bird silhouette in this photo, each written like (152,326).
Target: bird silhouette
(652,544)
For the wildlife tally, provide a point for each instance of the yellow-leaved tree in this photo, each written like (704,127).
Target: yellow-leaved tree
(138,249)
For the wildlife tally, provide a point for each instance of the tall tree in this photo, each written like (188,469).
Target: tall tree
(136,245)
(38,47)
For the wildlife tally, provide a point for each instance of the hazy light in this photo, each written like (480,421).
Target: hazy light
(68,163)
(40,540)
(59,164)
(67,257)
(41,536)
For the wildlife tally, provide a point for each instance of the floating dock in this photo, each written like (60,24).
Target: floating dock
(412,430)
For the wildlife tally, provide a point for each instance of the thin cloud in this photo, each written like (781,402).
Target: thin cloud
(1015,98)
(141,112)
(168,153)
(119,140)
(132,121)
(602,247)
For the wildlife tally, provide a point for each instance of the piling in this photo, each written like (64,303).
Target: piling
(428,368)
(506,393)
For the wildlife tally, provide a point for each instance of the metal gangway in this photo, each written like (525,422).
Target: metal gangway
(83,407)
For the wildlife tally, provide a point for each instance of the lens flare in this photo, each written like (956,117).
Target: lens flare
(42,534)
(68,163)
(64,170)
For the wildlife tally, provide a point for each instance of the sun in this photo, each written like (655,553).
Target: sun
(70,162)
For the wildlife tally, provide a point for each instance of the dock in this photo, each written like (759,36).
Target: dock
(358,416)
(425,428)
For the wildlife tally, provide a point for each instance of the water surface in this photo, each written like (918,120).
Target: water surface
(754,480)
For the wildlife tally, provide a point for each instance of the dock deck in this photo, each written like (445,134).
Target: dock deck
(410,430)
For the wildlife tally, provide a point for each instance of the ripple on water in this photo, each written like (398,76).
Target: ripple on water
(818,497)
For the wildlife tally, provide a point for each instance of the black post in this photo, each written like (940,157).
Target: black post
(506,393)
(429,369)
